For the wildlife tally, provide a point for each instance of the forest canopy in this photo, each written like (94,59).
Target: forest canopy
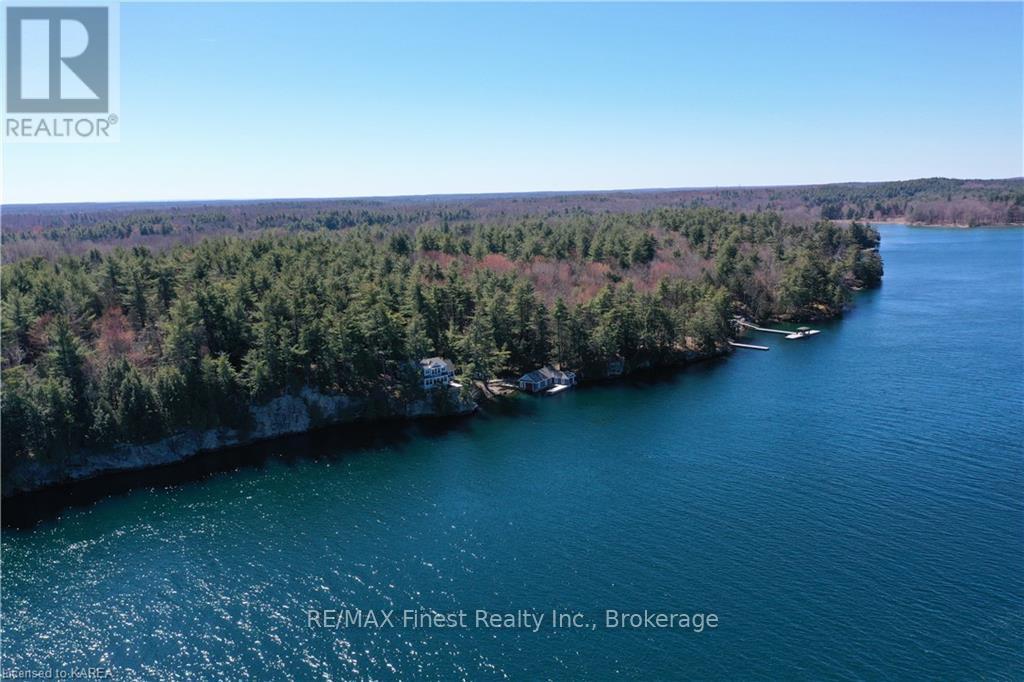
(131,344)
(65,229)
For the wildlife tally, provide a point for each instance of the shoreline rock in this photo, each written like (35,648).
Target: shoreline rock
(285,415)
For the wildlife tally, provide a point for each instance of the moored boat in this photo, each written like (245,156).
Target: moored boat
(801,332)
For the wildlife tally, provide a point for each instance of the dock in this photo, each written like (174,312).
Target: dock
(800,333)
(748,345)
(746,324)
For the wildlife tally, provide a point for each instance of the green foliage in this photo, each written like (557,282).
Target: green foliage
(132,345)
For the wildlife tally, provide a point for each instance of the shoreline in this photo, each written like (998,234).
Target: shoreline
(958,226)
(190,448)
(222,450)
(292,414)
(207,449)
(24,510)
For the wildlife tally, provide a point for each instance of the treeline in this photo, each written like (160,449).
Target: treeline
(133,344)
(926,201)
(53,231)
(201,223)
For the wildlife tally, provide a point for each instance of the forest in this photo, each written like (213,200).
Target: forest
(132,344)
(75,229)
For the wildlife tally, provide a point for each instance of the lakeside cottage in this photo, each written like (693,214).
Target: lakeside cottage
(436,372)
(544,378)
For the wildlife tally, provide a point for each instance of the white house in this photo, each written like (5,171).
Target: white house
(544,378)
(436,372)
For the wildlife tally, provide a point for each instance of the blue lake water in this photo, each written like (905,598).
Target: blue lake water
(850,506)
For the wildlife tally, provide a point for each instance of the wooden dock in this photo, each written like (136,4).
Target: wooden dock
(748,345)
(800,333)
(746,324)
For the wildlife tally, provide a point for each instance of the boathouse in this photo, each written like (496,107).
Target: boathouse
(544,378)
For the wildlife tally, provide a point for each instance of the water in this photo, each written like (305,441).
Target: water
(849,505)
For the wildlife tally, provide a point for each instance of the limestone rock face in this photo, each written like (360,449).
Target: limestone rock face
(281,416)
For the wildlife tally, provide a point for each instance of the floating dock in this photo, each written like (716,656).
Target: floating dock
(748,345)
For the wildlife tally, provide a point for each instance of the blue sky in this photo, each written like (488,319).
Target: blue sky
(268,100)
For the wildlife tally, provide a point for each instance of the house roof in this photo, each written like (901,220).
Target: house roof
(541,374)
(533,377)
(433,362)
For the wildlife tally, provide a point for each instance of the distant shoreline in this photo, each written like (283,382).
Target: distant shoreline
(959,226)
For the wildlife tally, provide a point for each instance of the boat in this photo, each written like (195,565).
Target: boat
(801,332)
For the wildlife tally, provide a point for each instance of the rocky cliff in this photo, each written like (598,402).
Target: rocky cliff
(282,416)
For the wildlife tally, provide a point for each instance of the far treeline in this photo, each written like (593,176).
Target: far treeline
(75,229)
(131,345)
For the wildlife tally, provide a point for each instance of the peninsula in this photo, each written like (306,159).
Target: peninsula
(120,358)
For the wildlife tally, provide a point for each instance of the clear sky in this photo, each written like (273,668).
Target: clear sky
(318,100)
